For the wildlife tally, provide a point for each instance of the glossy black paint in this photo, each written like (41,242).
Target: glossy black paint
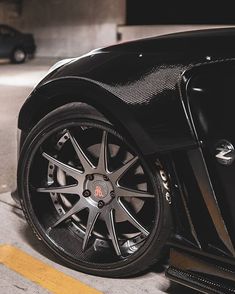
(185,44)
(117,82)
(215,85)
(144,77)
(11,39)
(171,95)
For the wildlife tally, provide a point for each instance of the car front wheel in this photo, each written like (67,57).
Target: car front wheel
(18,56)
(91,197)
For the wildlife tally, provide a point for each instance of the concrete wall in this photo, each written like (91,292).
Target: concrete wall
(9,12)
(67,28)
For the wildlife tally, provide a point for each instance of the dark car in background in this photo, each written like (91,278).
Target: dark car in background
(15,45)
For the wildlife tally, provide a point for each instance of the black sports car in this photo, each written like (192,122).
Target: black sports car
(127,154)
(15,45)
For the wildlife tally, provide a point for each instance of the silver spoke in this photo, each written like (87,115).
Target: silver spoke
(109,220)
(92,218)
(80,205)
(86,163)
(103,159)
(69,170)
(132,219)
(117,174)
(72,189)
(126,192)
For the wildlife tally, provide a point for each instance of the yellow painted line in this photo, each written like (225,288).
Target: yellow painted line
(41,273)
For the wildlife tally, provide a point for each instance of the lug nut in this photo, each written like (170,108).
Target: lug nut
(112,194)
(101,204)
(106,178)
(86,193)
(90,177)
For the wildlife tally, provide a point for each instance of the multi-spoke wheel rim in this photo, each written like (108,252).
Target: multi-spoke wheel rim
(87,227)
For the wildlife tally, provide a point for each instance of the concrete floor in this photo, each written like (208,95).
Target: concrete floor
(16,82)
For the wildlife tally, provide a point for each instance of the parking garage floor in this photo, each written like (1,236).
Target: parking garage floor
(24,273)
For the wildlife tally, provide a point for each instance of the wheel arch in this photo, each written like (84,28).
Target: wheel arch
(59,92)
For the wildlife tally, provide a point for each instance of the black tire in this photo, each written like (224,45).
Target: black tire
(18,56)
(140,242)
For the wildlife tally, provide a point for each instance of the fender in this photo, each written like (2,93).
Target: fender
(61,91)
(135,91)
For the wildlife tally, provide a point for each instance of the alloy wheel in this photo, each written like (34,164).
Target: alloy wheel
(92,195)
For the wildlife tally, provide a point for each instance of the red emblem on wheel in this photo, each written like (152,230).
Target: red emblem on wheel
(98,192)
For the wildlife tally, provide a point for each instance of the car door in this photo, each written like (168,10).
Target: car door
(211,99)
(6,41)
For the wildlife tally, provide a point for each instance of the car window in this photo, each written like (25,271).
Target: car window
(4,31)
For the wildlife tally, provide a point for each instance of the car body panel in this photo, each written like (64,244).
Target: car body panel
(209,86)
(145,82)
(145,107)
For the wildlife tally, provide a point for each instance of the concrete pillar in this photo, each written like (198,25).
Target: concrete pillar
(9,13)
(72,27)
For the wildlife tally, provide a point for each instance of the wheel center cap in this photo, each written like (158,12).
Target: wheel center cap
(99,189)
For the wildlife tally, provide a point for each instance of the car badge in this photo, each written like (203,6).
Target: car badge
(98,192)
(225,153)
